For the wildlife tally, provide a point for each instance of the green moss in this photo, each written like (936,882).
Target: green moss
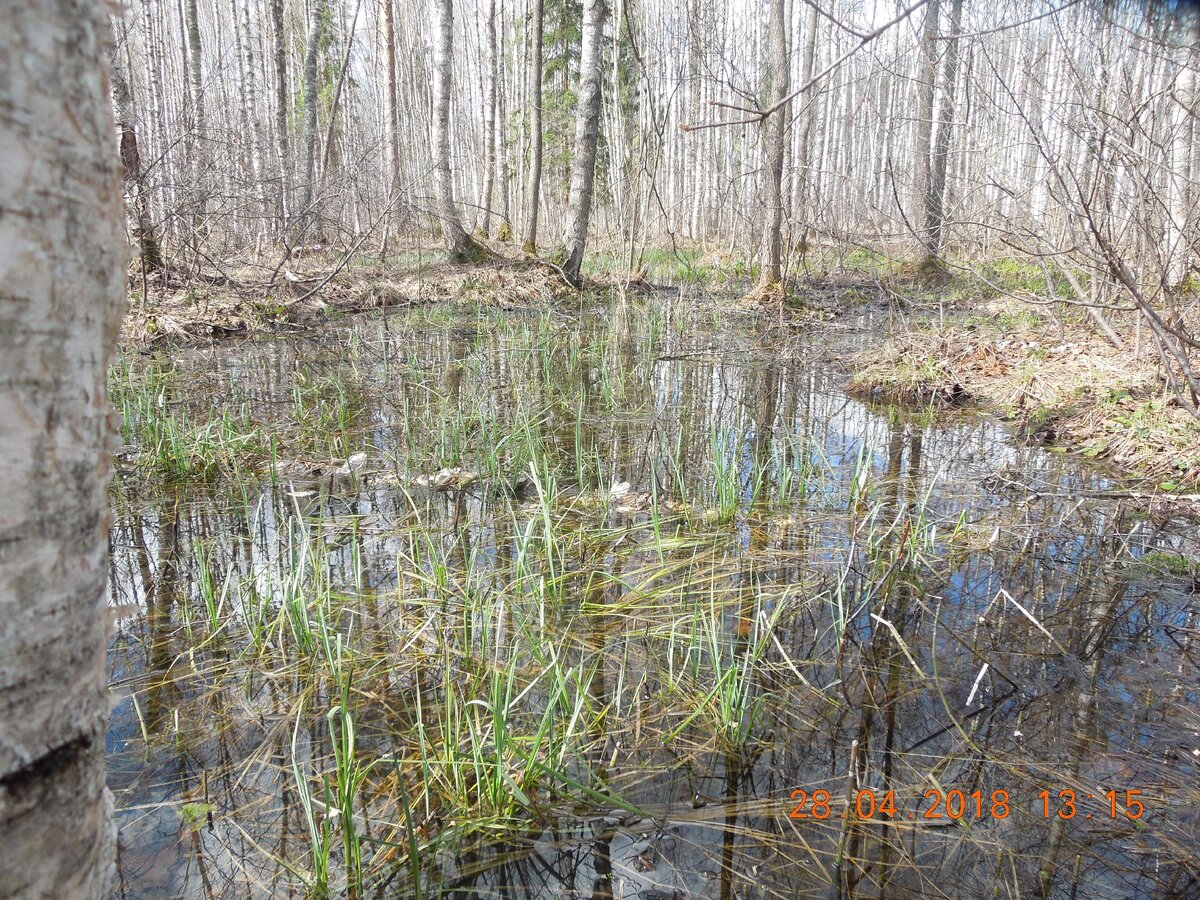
(1166,563)
(195,815)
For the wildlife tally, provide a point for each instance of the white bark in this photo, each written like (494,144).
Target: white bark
(459,245)
(537,16)
(489,121)
(1179,250)
(587,131)
(775,128)
(62,284)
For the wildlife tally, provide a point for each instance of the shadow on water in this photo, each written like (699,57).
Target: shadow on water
(814,648)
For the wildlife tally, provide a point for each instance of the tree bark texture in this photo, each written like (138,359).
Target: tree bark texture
(392,128)
(311,56)
(587,132)
(775,130)
(489,121)
(935,201)
(63,254)
(535,109)
(282,148)
(928,86)
(141,225)
(459,246)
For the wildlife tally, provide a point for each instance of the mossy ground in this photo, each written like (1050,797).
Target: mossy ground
(1054,378)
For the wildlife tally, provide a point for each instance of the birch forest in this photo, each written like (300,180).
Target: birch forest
(713,449)
(1063,133)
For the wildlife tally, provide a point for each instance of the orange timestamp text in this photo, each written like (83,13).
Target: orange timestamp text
(956,804)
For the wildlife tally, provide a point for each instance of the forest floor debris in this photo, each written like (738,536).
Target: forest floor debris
(250,301)
(1058,382)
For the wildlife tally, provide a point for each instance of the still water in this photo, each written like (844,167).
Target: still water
(811,648)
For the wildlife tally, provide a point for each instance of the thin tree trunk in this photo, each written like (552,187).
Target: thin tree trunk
(329,157)
(459,245)
(247,96)
(142,227)
(156,102)
(392,125)
(935,201)
(282,104)
(62,290)
(311,55)
(804,156)
(587,131)
(1183,115)
(196,87)
(489,121)
(775,129)
(924,147)
(504,231)
(535,105)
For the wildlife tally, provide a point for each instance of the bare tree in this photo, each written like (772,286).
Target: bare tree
(459,245)
(489,120)
(62,289)
(587,133)
(310,116)
(141,224)
(392,126)
(283,149)
(535,110)
(774,131)
(935,197)
(925,113)
(198,133)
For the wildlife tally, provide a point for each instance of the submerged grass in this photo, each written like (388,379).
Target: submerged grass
(387,690)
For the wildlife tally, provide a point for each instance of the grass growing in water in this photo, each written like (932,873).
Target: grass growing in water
(393,691)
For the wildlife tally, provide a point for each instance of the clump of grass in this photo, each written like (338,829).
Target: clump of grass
(387,687)
(915,370)
(173,441)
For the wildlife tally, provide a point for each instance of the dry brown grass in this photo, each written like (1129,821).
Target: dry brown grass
(1061,385)
(246,302)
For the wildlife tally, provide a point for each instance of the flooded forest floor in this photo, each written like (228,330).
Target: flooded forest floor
(503,591)
(946,343)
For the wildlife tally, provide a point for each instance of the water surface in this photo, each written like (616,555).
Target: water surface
(354,684)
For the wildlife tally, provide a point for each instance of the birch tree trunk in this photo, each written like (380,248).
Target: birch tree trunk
(804,156)
(587,131)
(1179,250)
(928,86)
(535,101)
(141,226)
(196,88)
(311,56)
(459,245)
(504,230)
(281,113)
(935,199)
(775,129)
(62,286)
(489,121)
(248,116)
(392,127)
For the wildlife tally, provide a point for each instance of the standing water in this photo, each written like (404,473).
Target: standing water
(629,605)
